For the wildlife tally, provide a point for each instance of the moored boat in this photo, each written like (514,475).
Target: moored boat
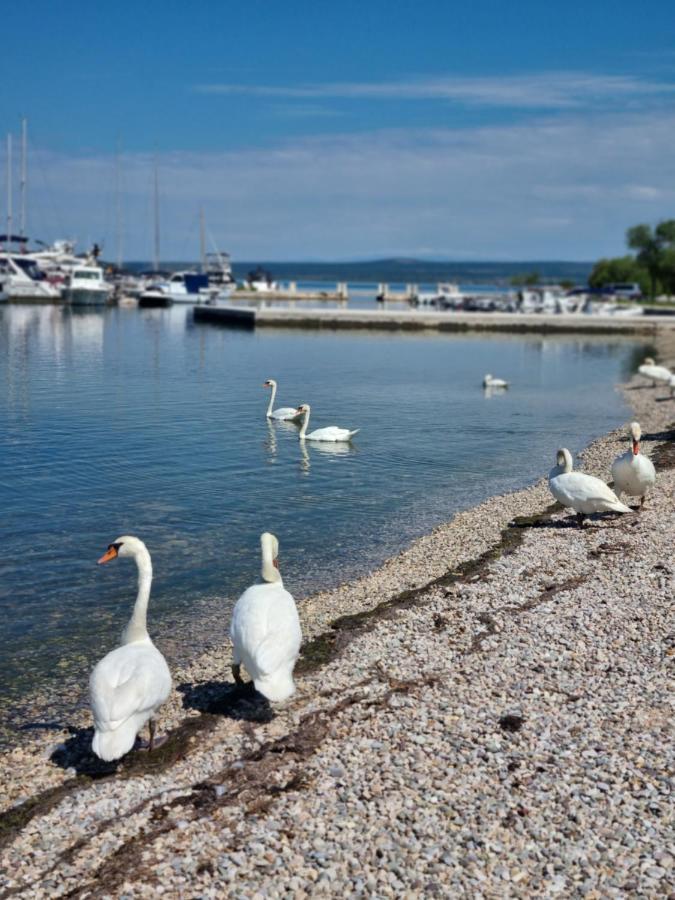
(86,286)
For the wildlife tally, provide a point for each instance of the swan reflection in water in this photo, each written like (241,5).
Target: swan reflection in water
(271,441)
(490,391)
(337,449)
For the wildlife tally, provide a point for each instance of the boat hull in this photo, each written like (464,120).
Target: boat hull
(86,296)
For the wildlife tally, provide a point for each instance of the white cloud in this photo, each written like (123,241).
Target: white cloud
(545,90)
(562,188)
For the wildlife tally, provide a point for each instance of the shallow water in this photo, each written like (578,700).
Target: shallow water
(137,421)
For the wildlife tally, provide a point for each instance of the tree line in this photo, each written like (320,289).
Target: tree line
(652,264)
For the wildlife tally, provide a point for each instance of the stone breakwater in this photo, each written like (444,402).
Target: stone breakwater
(488,714)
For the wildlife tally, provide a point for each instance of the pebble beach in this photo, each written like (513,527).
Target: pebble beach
(488,714)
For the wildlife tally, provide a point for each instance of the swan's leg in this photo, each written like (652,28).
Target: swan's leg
(236,673)
(152,728)
(642,500)
(581,517)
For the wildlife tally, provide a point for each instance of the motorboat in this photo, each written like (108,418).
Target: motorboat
(260,281)
(446,296)
(188,287)
(218,268)
(24,280)
(86,286)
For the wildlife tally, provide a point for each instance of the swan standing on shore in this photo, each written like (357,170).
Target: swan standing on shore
(585,494)
(284,413)
(331,433)
(128,686)
(632,472)
(489,381)
(265,630)
(655,373)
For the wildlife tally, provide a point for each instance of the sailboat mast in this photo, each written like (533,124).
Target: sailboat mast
(118,206)
(24,175)
(156,217)
(202,239)
(9,191)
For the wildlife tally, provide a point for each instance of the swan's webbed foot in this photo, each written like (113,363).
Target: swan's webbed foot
(236,673)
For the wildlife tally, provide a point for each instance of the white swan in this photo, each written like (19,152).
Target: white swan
(655,373)
(585,494)
(265,630)
(128,686)
(632,472)
(284,413)
(331,433)
(489,381)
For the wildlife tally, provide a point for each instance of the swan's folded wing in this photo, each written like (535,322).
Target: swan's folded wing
(592,489)
(137,684)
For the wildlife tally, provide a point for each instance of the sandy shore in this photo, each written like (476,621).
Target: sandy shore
(488,714)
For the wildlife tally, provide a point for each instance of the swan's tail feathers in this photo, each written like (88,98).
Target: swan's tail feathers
(352,433)
(618,506)
(276,687)
(109,745)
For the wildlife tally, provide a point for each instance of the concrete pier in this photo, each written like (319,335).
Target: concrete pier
(416,320)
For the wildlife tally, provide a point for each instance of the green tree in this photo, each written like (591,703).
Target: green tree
(651,245)
(619,269)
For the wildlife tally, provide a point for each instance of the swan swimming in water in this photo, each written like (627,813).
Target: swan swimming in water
(633,473)
(265,630)
(489,381)
(585,494)
(128,686)
(331,433)
(655,373)
(284,413)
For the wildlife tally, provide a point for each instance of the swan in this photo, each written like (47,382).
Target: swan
(489,381)
(632,472)
(265,630)
(583,493)
(655,373)
(284,413)
(128,686)
(331,433)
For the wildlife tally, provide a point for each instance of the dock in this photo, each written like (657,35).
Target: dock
(292,295)
(418,321)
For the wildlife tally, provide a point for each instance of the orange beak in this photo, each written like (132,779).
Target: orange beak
(110,553)
(275,563)
(636,448)
(266,385)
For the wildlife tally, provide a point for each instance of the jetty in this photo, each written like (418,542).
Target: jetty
(423,320)
(291,294)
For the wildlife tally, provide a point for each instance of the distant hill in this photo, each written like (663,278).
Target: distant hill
(399,270)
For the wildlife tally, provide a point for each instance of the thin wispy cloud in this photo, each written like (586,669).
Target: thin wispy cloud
(546,90)
(548,188)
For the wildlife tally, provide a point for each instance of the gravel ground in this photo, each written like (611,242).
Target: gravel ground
(502,728)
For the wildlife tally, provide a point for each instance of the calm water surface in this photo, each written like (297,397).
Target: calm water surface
(137,421)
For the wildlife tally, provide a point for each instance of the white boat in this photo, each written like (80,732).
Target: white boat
(86,286)
(24,280)
(188,287)
(260,281)
(446,296)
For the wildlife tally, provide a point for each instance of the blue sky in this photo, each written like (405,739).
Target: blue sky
(347,130)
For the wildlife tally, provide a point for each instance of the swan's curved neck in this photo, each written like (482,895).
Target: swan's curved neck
(305,423)
(270,571)
(137,629)
(272,396)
